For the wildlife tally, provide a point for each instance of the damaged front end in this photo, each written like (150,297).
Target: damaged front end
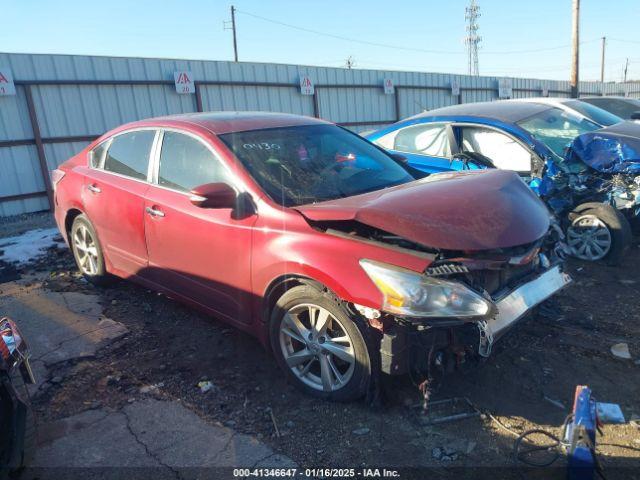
(492,251)
(460,305)
(511,281)
(601,166)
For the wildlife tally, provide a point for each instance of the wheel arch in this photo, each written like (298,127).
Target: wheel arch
(69,217)
(280,285)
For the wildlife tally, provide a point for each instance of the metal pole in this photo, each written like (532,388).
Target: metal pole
(198,97)
(316,103)
(37,137)
(233,27)
(575,78)
(604,40)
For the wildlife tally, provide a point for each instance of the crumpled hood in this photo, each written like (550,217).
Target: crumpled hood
(615,149)
(473,210)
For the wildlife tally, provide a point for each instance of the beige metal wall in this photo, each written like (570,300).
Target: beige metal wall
(76,98)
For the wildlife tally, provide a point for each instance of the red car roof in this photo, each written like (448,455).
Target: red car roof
(229,122)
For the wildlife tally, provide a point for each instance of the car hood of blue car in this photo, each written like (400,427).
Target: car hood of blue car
(614,149)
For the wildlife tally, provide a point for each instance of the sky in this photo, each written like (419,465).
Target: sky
(519,38)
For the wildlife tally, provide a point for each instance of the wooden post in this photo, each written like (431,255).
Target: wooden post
(37,137)
(233,27)
(575,55)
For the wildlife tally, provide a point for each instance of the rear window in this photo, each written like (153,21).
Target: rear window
(623,108)
(128,154)
(594,113)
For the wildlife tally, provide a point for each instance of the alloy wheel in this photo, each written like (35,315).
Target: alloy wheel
(316,347)
(589,238)
(86,250)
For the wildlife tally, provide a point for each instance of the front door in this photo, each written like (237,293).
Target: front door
(504,151)
(202,254)
(113,198)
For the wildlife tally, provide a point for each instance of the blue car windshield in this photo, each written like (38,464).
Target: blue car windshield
(313,163)
(557,128)
(594,113)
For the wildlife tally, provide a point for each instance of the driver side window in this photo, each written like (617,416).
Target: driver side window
(186,163)
(505,152)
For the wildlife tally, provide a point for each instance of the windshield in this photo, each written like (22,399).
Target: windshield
(313,163)
(594,113)
(557,128)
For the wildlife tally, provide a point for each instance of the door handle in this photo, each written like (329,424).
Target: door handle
(154,212)
(93,188)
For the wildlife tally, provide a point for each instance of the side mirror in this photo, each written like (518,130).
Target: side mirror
(635,116)
(399,158)
(214,195)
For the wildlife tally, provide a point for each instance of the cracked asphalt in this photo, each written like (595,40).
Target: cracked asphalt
(149,438)
(145,438)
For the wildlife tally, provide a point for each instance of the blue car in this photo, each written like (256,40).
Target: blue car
(588,175)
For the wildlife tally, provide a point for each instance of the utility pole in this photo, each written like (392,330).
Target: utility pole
(233,27)
(350,62)
(575,55)
(604,42)
(472,40)
(626,67)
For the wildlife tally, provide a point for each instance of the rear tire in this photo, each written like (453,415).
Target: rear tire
(20,449)
(29,440)
(318,346)
(87,251)
(598,232)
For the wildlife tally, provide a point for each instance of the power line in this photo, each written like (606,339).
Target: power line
(347,39)
(623,41)
(400,47)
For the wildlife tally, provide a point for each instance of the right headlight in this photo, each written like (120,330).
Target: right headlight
(413,294)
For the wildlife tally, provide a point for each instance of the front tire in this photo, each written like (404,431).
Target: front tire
(598,231)
(319,346)
(87,251)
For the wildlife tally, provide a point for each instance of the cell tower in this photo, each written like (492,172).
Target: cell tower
(472,40)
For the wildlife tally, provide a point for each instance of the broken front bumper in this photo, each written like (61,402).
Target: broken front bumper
(515,304)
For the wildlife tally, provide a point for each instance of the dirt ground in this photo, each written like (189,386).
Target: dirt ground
(528,382)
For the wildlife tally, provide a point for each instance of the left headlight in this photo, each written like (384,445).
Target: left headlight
(412,294)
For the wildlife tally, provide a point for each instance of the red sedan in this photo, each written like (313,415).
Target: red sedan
(340,258)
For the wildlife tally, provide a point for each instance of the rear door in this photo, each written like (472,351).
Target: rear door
(427,146)
(113,197)
(202,254)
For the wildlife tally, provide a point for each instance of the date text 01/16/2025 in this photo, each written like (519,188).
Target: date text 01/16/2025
(316,472)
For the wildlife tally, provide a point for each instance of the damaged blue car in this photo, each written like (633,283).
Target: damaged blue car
(589,176)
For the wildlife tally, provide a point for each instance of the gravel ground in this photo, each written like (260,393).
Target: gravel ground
(18,224)
(527,383)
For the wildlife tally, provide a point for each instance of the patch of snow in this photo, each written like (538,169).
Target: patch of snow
(29,246)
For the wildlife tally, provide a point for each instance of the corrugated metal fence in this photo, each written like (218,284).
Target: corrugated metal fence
(62,102)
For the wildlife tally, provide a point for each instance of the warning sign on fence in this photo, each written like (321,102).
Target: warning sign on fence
(7,87)
(455,88)
(306,85)
(184,82)
(505,90)
(388,86)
